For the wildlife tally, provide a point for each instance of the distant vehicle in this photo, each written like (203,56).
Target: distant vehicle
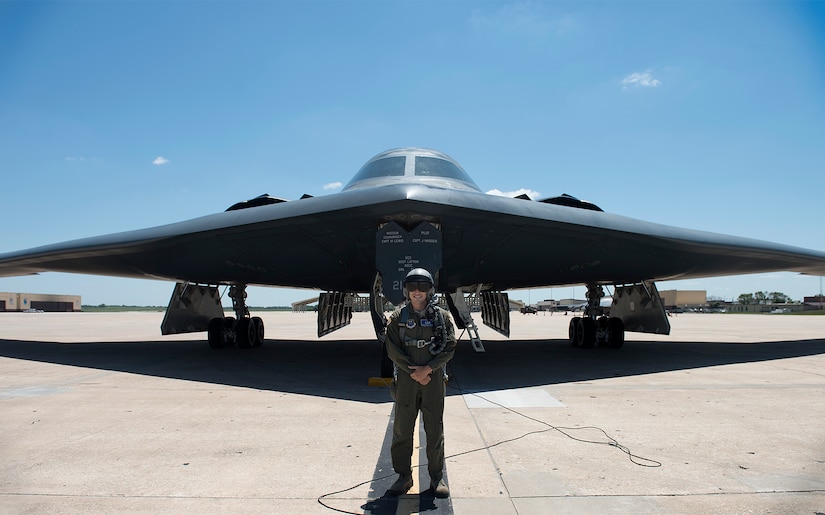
(529,309)
(32,310)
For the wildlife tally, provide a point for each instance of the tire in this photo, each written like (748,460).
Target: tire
(573,331)
(214,333)
(615,331)
(602,336)
(245,333)
(259,331)
(587,333)
(229,326)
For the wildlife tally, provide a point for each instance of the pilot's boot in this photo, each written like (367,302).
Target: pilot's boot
(404,483)
(440,488)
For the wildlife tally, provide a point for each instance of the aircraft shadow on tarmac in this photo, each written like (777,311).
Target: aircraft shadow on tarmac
(340,369)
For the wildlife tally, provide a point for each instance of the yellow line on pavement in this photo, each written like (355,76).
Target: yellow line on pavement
(409,504)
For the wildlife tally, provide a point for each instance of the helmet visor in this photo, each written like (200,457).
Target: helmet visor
(419,285)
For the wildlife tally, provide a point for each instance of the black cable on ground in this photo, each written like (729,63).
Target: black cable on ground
(610,441)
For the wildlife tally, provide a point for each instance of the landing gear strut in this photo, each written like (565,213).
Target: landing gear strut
(594,327)
(379,322)
(242,330)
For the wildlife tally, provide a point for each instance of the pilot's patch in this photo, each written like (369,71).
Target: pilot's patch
(426,323)
(410,323)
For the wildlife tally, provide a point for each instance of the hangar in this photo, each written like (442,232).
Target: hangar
(671,299)
(39,301)
(686,299)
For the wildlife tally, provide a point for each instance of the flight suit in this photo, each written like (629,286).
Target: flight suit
(411,396)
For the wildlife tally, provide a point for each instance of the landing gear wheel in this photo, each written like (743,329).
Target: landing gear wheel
(245,333)
(615,332)
(573,331)
(587,333)
(258,323)
(229,331)
(602,331)
(215,333)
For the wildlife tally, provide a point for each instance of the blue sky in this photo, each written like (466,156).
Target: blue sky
(129,114)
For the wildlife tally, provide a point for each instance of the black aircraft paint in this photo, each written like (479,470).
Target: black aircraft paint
(329,243)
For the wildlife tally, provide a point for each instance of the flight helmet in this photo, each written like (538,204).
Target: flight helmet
(419,275)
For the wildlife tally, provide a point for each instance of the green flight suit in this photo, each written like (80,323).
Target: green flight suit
(411,396)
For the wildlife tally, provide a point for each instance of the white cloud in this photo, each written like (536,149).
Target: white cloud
(333,185)
(521,191)
(160,160)
(640,80)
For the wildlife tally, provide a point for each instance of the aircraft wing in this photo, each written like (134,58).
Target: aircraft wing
(329,243)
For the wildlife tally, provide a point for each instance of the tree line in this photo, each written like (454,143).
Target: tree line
(763,297)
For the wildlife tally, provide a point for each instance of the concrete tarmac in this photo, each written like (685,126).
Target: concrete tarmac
(101,414)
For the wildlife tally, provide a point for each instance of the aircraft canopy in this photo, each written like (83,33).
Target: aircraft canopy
(409,162)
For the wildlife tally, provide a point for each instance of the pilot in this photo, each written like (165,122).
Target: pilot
(420,341)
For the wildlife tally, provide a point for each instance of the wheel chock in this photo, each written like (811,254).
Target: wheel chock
(380,381)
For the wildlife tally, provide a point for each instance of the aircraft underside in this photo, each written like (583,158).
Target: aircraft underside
(635,307)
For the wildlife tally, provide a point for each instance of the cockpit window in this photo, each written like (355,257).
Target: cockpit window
(412,166)
(435,167)
(387,167)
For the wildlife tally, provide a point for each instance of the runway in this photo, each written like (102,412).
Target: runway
(101,414)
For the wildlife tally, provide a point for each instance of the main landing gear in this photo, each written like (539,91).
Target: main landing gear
(596,328)
(586,332)
(244,331)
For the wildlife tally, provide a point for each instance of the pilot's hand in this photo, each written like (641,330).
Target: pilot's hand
(421,374)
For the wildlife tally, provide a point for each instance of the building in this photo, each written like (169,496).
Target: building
(767,307)
(815,301)
(561,305)
(684,299)
(39,301)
